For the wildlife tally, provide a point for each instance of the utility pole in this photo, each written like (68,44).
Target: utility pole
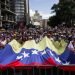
(27,14)
(0,15)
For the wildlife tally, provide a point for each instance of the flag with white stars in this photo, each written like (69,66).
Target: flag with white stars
(35,57)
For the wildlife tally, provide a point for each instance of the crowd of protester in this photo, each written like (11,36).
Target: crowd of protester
(23,34)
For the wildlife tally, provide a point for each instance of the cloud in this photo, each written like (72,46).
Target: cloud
(44,15)
(32,12)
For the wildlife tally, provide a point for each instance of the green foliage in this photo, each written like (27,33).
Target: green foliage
(64,13)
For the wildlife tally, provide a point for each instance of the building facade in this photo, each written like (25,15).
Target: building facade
(22,10)
(12,11)
(7,12)
(19,9)
(36,19)
(44,23)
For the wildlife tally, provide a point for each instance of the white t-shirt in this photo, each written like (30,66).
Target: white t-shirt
(70,46)
(4,42)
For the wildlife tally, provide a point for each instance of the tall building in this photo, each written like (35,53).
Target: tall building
(44,23)
(36,19)
(19,9)
(22,10)
(7,12)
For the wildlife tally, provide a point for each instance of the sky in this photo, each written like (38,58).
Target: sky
(43,7)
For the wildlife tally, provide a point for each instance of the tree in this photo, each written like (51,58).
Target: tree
(53,21)
(64,13)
